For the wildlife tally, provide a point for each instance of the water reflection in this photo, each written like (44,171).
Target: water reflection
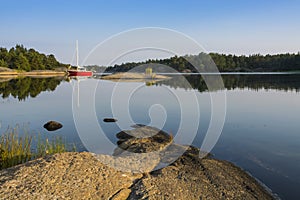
(285,82)
(22,88)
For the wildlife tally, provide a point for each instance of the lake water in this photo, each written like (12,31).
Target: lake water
(261,133)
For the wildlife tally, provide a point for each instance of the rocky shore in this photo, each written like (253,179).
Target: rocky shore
(85,176)
(9,73)
(134,76)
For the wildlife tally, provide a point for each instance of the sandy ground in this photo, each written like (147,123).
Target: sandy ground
(15,74)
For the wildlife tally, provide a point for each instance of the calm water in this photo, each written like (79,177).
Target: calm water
(261,132)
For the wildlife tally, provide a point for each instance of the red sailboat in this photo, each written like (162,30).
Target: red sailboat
(78,71)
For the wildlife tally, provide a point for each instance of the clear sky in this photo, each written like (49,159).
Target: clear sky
(224,26)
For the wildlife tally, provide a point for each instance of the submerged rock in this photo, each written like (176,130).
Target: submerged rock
(109,120)
(52,126)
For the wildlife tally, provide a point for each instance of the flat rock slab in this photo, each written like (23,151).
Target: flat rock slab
(208,179)
(64,176)
(82,176)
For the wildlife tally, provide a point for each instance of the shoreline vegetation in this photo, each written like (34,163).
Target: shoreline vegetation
(20,61)
(16,149)
(224,63)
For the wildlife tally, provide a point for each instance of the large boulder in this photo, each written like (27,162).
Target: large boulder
(144,149)
(53,126)
(143,139)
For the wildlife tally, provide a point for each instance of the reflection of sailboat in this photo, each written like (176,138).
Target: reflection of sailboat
(75,80)
(78,79)
(78,71)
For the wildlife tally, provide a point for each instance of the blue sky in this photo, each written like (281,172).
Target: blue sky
(224,26)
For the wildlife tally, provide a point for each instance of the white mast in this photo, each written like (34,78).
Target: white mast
(77,53)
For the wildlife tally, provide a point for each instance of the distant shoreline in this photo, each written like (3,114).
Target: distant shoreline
(211,73)
(130,75)
(12,74)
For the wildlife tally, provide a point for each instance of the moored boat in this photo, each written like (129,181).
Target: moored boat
(78,71)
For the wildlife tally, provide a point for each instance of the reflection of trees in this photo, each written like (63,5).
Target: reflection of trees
(22,88)
(284,82)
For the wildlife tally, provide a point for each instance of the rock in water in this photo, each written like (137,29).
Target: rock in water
(52,126)
(109,120)
(143,139)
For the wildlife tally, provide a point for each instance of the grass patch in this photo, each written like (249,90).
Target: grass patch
(44,147)
(15,149)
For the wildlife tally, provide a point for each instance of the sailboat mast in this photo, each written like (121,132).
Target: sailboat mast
(77,53)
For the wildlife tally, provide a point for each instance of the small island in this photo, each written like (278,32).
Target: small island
(134,76)
(20,61)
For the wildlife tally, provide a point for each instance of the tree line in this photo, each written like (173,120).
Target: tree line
(20,58)
(257,62)
(225,63)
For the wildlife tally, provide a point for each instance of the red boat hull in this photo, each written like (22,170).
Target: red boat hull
(80,73)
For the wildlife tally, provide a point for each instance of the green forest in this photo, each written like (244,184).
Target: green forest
(20,58)
(225,63)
